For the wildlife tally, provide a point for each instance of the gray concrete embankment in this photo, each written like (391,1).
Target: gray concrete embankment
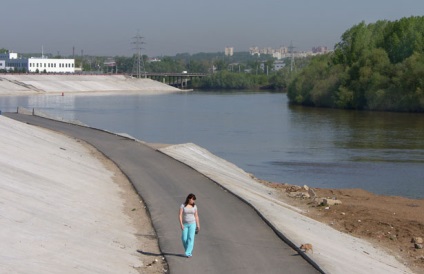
(23,84)
(233,237)
(335,252)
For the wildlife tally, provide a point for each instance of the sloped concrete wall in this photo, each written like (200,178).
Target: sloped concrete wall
(31,83)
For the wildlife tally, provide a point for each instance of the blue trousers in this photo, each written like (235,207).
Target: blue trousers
(188,238)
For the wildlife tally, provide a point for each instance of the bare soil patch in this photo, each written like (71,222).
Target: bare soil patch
(389,222)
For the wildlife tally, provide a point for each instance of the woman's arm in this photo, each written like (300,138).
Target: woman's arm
(196,215)
(181,218)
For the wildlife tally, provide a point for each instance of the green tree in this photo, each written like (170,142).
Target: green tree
(220,64)
(377,66)
(124,64)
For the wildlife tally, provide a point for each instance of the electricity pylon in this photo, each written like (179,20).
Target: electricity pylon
(138,67)
(291,50)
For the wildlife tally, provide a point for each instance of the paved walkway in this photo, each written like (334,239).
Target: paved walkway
(233,238)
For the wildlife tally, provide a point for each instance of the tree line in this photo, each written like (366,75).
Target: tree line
(377,66)
(240,71)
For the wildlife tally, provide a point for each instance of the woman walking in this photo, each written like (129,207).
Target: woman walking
(189,221)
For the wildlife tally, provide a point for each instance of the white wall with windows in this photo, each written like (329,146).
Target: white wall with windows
(11,61)
(279,65)
(51,65)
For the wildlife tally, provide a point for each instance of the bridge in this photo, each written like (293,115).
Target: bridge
(179,80)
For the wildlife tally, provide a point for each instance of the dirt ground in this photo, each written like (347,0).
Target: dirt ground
(388,222)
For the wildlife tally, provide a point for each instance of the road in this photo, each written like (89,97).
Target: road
(233,237)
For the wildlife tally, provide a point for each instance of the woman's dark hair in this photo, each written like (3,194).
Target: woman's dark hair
(191,195)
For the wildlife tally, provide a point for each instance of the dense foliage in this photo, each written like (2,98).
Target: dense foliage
(229,80)
(232,80)
(240,71)
(378,66)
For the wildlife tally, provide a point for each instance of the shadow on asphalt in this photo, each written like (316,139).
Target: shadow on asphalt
(160,254)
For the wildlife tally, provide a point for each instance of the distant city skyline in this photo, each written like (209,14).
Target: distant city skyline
(106,27)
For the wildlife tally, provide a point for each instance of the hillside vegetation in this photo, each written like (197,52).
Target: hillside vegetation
(378,66)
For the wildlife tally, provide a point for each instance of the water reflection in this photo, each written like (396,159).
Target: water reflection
(57,105)
(363,136)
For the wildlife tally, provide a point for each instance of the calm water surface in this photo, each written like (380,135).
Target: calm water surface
(262,134)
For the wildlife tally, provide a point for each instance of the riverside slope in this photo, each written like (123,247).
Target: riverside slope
(233,238)
(334,252)
(61,211)
(27,84)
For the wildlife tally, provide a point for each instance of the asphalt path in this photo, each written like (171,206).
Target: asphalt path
(233,237)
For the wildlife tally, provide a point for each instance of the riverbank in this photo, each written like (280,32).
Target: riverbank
(387,222)
(66,208)
(28,84)
(333,251)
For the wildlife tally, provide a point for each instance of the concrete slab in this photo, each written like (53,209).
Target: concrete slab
(17,84)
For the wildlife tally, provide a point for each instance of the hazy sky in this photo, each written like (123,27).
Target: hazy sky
(106,27)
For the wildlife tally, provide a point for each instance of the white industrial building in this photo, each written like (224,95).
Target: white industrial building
(10,61)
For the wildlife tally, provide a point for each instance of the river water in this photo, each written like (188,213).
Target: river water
(259,132)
